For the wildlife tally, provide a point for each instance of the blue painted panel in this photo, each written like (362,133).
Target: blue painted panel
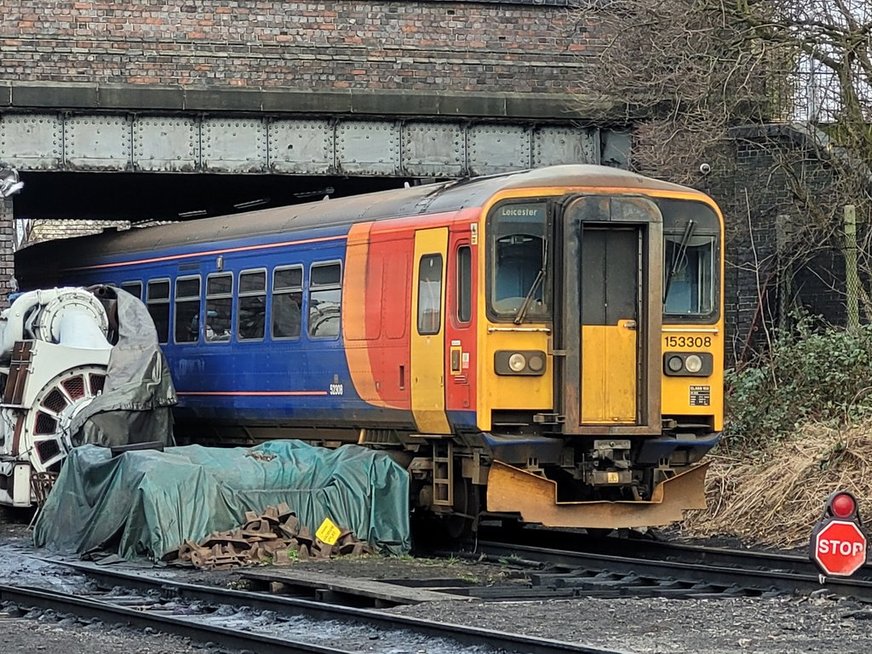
(304,380)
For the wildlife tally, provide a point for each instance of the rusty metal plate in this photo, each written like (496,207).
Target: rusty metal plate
(166,144)
(616,148)
(565,145)
(368,147)
(31,141)
(97,142)
(301,147)
(234,145)
(498,149)
(434,149)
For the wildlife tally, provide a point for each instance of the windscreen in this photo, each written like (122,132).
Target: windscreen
(691,234)
(518,261)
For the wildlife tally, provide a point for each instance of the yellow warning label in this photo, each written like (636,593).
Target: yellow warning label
(613,477)
(328,532)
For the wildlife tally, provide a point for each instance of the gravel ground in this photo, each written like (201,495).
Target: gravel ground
(777,626)
(38,632)
(646,626)
(73,637)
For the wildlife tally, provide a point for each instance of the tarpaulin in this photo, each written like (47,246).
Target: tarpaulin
(135,404)
(147,502)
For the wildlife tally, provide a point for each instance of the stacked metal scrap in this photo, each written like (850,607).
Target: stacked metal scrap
(275,536)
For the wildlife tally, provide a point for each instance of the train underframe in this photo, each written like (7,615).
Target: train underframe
(593,482)
(588,482)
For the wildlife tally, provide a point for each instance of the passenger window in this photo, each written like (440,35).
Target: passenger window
(325,300)
(287,302)
(464,283)
(252,305)
(187,328)
(219,307)
(134,288)
(158,302)
(430,294)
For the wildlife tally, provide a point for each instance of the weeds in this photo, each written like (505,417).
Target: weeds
(821,375)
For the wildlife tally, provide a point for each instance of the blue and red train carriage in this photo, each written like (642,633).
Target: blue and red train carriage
(545,344)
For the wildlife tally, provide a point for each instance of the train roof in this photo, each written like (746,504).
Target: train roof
(403,202)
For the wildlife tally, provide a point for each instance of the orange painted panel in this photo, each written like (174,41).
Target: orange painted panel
(377,305)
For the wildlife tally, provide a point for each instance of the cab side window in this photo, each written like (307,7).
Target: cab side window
(464,284)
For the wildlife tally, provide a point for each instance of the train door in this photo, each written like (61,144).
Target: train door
(609,286)
(610,331)
(428,331)
(460,331)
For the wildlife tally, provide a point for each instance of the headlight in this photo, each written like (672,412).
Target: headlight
(688,364)
(693,364)
(528,363)
(517,362)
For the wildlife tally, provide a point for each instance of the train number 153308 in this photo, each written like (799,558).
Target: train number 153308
(688,341)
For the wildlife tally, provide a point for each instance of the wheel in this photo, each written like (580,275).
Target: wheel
(432,530)
(462,524)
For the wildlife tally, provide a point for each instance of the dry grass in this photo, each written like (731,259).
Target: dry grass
(775,497)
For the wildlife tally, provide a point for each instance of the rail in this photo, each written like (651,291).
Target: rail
(613,567)
(463,636)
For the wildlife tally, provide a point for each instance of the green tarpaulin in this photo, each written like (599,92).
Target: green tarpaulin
(145,503)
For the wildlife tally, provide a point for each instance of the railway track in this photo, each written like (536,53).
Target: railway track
(248,621)
(566,564)
(662,550)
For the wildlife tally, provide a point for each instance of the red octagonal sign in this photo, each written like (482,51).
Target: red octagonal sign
(839,548)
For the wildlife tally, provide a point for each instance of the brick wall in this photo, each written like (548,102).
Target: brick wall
(776,260)
(450,46)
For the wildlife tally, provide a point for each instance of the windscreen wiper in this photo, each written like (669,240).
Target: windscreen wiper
(528,299)
(677,256)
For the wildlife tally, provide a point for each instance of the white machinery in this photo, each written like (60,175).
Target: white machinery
(54,354)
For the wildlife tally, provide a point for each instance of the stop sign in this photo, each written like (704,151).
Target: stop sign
(839,548)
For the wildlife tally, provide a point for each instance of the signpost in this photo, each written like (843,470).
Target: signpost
(838,545)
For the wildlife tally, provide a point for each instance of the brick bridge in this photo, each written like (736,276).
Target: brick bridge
(214,106)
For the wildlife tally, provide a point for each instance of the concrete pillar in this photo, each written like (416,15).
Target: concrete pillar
(7,251)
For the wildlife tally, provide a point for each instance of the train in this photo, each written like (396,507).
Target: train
(542,345)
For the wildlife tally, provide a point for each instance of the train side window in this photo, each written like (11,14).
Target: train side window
(325,299)
(158,302)
(430,294)
(252,305)
(287,301)
(464,284)
(134,288)
(187,327)
(219,307)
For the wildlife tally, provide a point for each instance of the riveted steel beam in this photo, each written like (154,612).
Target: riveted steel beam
(213,142)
